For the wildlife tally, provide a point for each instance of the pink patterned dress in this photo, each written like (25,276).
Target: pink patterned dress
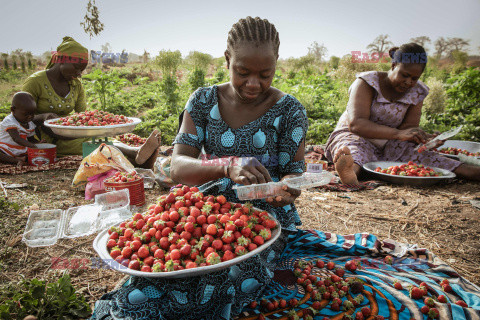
(390,114)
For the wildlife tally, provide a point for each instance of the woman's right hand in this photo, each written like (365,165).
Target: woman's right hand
(45,116)
(247,170)
(413,134)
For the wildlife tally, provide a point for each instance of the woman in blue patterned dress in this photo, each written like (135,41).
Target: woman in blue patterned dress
(261,131)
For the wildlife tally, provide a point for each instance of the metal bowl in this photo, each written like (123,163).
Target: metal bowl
(406,180)
(459,144)
(90,131)
(100,246)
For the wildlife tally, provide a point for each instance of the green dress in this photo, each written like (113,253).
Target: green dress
(48,101)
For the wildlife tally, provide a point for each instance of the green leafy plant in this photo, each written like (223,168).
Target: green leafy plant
(105,86)
(55,300)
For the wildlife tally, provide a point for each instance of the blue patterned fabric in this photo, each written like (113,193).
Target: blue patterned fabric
(273,139)
(167,299)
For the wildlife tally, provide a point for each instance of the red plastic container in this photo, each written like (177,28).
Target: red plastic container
(46,153)
(135,189)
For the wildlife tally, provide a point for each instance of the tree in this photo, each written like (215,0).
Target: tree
(334,62)
(106,48)
(145,56)
(5,61)
(168,61)
(423,40)
(317,51)
(14,59)
(380,44)
(47,55)
(441,46)
(91,24)
(457,44)
(29,57)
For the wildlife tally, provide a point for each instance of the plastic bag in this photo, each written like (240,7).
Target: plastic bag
(102,159)
(95,184)
(162,172)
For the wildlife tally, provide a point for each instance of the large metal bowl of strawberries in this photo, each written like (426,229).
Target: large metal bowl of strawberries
(92,124)
(186,234)
(414,180)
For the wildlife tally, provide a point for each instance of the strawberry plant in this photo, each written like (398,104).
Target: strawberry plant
(55,300)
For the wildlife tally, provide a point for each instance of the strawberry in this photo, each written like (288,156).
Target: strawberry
(340,272)
(425,309)
(388,260)
(442,299)
(429,302)
(258,240)
(359,316)
(212,229)
(461,303)
(319,263)
(433,313)
(366,311)
(447,288)
(416,293)
(330,265)
(213,258)
(398,285)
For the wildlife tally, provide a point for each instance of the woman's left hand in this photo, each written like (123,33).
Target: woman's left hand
(287,196)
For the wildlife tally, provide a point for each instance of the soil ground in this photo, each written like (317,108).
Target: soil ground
(439,218)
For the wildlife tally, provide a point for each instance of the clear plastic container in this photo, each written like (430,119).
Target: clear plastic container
(309,180)
(45,227)
(272,189)
(148,177)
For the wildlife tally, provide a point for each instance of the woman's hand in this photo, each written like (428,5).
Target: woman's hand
(247,171)
(288,196)
(40,118)
(413,134)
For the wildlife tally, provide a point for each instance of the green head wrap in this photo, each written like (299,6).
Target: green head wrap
(69,51)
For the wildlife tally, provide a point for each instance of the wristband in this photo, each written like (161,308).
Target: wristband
(225,168)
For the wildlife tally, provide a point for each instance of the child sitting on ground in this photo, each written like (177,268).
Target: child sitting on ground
(17,130)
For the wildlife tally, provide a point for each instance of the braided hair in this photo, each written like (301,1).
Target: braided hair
(253,30)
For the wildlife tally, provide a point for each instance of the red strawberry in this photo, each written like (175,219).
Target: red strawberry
(416,293)
(433,313)
(330,265)
(320,263)
(442,299)
(397,285)
(429,302)
(461,303)
(425,309)
(446,287)
(366,311)
(388,260)
(213,258)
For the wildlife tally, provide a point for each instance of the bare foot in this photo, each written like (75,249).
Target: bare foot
(344,166)
(150,161)
(149,147)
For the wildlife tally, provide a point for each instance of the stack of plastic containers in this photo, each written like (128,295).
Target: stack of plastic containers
(45,227)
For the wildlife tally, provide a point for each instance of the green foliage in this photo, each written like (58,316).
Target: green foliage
(437,96)
(104,86)
(30,65)
(159,117)
(168,61)
(5,64)
(463,106)
(6,205)
(14,66)
(220,75)
(198,60)
(23,66)
(55,300)
(169,89)
(196,79)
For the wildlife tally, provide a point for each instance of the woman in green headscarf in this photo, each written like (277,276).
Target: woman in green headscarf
(58,92)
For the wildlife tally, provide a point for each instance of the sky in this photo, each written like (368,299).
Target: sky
(187,25)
